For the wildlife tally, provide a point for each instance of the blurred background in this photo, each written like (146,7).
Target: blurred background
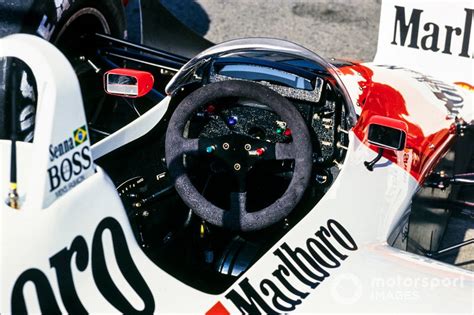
(339,28)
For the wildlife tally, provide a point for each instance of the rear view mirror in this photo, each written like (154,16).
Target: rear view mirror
(128,82)
(386,137)
(386,133)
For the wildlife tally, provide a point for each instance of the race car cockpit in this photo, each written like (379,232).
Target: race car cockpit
(255,135)
(256,177)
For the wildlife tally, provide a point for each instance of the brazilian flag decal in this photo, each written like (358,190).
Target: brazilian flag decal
(80,135)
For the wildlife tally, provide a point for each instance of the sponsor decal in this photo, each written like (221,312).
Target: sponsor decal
(45,29)
(27,117)
(218,309)
(452,100)
(27,114)
(447,93)
(80,135)
(465,85)
(26,87)
(300,271)
(61,6)
(426,35)
(84,258)
(73,158)
(27,122)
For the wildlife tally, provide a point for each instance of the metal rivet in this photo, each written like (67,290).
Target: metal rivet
(237,166)
(226,146)
(247,147)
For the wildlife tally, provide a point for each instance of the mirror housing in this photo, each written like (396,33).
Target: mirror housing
(387,133)
(127,82)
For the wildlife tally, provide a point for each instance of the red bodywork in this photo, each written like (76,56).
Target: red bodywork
(423,146)
(388,122)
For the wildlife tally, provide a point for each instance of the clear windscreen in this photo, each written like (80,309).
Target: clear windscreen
(305,58)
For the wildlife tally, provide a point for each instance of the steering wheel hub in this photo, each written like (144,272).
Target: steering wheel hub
(239,152)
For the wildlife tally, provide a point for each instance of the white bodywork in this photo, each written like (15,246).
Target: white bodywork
(132,131)
(439,41)
(372,277)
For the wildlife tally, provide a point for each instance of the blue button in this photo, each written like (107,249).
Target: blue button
(210,149)
(232,120)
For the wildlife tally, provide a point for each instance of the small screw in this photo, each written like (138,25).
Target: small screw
(145,213)
(237,166)
(226,146)
(337,164)
(342,130)
(247,147)
(340,146)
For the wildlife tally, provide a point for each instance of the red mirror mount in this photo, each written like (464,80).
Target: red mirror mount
(128,82)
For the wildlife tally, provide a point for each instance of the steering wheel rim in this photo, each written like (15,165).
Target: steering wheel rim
(298,150)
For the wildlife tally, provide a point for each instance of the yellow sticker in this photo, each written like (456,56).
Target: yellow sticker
(80,135)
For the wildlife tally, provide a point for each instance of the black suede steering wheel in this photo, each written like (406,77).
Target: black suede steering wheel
(234,149)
